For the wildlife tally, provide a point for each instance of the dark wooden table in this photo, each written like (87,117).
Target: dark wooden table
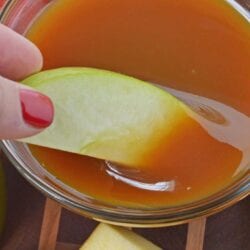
(228,230)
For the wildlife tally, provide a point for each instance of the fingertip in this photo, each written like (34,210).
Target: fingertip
(37,59)
(37,109)
(19,57)
(23,111)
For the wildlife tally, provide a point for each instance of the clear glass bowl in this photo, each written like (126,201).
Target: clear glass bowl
(18,14)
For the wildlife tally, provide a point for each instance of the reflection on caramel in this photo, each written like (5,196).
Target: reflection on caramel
(198,46)
(208,113)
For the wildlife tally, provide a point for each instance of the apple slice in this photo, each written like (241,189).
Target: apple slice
(105,114)
(107,237)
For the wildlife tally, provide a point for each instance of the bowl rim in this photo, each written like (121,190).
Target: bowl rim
(134,217)
(140,217)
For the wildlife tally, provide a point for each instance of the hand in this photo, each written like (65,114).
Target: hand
(23,111)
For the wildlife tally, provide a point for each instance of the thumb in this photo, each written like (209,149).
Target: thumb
(23,111)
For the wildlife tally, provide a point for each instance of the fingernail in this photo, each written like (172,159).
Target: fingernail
(37,108)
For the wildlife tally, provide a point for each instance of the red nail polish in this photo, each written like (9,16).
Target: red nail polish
(37,108)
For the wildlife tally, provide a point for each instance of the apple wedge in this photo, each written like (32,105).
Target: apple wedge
(105,114)
(107,237)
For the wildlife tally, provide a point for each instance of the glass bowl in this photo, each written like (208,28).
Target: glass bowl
(18,14)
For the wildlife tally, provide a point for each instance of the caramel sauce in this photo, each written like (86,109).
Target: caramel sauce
(196,46)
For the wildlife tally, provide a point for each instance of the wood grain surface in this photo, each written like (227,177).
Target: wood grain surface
(50,225)
(196,234)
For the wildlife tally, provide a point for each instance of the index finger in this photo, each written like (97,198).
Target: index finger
(18,56)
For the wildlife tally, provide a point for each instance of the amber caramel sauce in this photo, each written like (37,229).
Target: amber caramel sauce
(197,46)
